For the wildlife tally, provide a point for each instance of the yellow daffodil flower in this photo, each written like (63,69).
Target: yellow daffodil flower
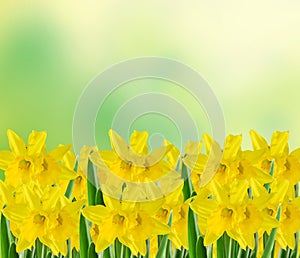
(46,215)
(289,224)
(231,211)
(25,163)
(134,167)
(286,166)
(131,223)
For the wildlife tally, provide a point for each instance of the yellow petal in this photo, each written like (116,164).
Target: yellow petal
(51,243)
(193,148)
(172,155)
(207,142)
(36,142)
(119,145)
(59,152)
(96,214)
(23,244)
(66,173)
(101,244)
(138,142)
(16,144)
(16,214)
(279,143)
(210,238)
(6,158)
(84,156)
(139,245)
(232,146)
(154,157)
(258,142)
(212,164)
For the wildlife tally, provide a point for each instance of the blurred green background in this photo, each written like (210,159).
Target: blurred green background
(249,52)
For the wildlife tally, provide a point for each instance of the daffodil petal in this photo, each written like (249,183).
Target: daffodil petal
(6,158)
(138,142)
(16,144)
(258,142)
(36,142)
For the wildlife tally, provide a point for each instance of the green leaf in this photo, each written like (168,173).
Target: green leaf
(163,243)
(99,197)
(69,190)
(84,242)
(242,253)
(106,253)
(220,248)
(75,254)
(177,253)
(271,172)
(28,254)
(38,248)
(12,251)
(253,252)
(91,252)
(49,255)
(118,248)
(4,237)
(192,234)
(295,252)
(187,187)
(91,184)
(200,248)
(126,251)
(270,243)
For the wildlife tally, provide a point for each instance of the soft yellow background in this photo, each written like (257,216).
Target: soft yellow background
(249,52)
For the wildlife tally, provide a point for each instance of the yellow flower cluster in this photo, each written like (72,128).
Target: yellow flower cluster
(232,191)
(246,191)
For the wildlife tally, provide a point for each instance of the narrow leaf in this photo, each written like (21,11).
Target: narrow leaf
(92,253)
(163,243)
(192,234)
(187,188)
(91,184)
(200,248)
(270,243)
(12,251)
(4,237)
(99,197)
(84,243)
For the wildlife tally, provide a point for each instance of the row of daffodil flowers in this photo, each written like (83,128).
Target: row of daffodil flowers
(126,202)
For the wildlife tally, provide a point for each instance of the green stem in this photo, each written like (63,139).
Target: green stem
(230,248)
(220,247)
(241,253)
(269,248)
(4,237)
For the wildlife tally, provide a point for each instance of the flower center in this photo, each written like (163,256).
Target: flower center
(287,213)
(59,219)
(222,168)
(266,164)
(126,165)
(227,213)
(139,219)
(247,213)
(39,219)
(24,164)
(269,211)
(118,219)
(78,179)
(241,168)
(182,213)
(162,214)
(45,165)
(287,165)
